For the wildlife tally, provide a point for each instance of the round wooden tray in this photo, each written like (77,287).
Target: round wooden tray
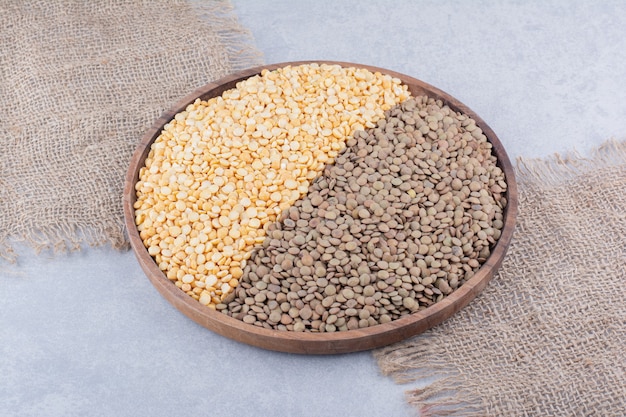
(306,342)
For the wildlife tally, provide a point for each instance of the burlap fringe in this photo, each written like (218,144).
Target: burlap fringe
(63,238)
(554,170)
(445,398)
(444,393)
(239,41)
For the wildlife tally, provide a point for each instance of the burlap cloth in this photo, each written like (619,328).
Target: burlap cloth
(80,82)
(547,337)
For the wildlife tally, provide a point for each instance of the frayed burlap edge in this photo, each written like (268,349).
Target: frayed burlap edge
(237,39)
(447,390)
(560,169)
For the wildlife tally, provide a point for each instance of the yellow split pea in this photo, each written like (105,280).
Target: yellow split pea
(222,170)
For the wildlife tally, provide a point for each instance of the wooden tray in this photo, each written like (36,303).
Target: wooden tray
(306,342)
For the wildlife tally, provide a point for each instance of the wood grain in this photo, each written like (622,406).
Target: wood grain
(305,342)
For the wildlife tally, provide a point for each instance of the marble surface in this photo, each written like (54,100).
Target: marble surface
(86,334)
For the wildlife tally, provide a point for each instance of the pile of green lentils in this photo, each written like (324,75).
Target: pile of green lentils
(405,215)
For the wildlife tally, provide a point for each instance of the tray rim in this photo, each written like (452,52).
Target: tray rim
(308,342)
